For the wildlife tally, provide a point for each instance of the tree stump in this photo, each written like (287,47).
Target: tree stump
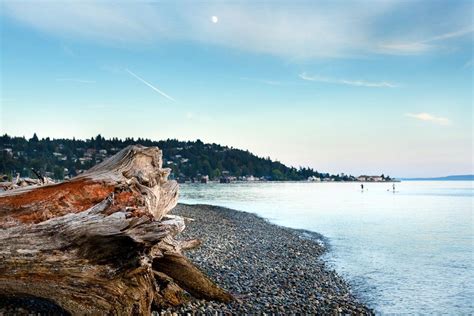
(102,242)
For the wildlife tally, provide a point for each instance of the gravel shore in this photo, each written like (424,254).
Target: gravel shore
(270,269)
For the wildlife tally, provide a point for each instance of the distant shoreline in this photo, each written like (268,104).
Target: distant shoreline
(467,177)
(290,181)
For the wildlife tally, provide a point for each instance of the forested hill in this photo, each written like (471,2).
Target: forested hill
(60,158)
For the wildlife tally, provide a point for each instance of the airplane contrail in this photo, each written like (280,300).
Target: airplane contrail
(150,85)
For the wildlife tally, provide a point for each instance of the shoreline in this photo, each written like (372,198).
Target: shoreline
(268,268)
(297,181)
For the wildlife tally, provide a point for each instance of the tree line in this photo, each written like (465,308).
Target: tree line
(60,158)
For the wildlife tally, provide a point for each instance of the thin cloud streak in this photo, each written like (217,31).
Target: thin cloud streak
(356,83)
(150,85)
(458,33)
(418,47)
(429,118)
(75,80)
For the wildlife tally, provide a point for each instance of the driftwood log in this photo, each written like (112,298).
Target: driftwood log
(103,242)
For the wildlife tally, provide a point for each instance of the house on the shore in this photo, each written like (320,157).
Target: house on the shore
(364,178)
(225,180)
(248,178)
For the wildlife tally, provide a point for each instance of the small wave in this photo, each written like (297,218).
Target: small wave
(315,237)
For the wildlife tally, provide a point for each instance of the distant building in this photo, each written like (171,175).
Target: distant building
(82,160)
(314,179)
(364,178)
(250,178)
(224,180)
(204,179)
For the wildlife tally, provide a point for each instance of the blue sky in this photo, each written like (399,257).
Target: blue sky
(341,86)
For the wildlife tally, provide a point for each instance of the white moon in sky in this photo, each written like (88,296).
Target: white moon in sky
(214,19)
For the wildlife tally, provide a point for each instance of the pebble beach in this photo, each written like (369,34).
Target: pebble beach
(268,268)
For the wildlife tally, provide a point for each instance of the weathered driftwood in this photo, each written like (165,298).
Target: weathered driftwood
(23,182)
(102,242)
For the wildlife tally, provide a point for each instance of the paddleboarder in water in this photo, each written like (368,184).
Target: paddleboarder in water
(393,187)
(362,186)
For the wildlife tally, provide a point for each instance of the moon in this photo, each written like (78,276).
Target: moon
(214,19)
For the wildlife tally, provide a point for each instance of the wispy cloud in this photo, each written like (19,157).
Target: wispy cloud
(404,48)
(457,33)
(150,85)
(356,83)
(74,80)
(312,30)
(418,47)
(429,118)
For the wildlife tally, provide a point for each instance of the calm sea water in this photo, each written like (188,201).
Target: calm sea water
(406,252)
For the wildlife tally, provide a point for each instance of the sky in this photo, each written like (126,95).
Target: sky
(360,87)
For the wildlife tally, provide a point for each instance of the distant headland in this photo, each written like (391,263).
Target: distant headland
(463,177)
(189,161)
